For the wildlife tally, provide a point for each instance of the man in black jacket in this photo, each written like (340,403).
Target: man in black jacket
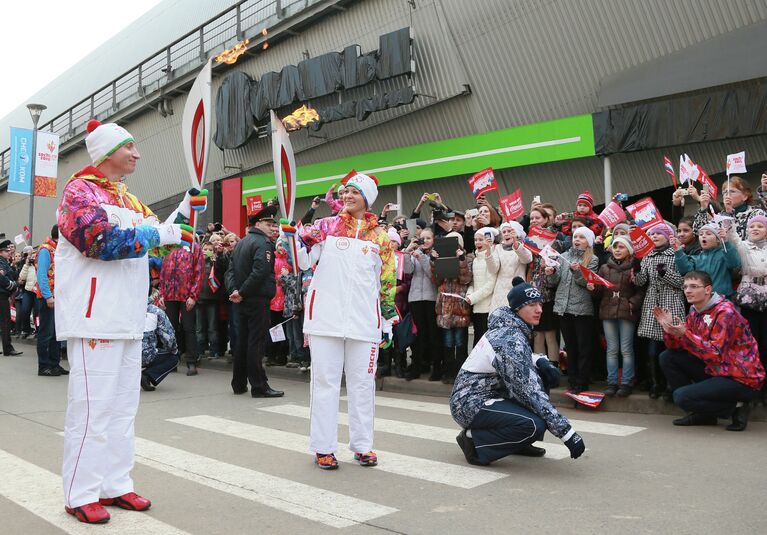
(8,278)
(251,283)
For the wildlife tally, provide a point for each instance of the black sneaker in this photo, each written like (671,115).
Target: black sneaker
(48,372)
(467,446)
(611,390)
(740,417)
(624,391)
(530,451)
(62,371)
(145,384)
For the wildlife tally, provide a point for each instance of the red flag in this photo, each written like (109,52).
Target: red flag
(254,204)
(593,278)
(612,214)
(27,235)
(713,190)
(641,242)
(669,167)
(538,238)
(213,280)
(483,182)
(645,213)
(512,207)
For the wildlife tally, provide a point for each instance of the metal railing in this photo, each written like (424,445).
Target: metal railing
(152,74)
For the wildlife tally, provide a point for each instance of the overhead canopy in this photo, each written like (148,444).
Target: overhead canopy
(731,57)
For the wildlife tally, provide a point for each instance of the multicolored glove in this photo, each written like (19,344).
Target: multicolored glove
(288,228)
(187,235)
(198,200)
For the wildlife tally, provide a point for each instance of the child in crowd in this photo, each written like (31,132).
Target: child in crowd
(453,313)
(294,308)
(335,203)
(206,308)
(716,259)
(584,208)
(619,309)
(687,237)
(574,306)
(277,352)
(752,292)
(511,259)
(484,270)
(664,289)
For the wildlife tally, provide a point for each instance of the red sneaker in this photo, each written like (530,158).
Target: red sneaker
(130,501)
(90,513)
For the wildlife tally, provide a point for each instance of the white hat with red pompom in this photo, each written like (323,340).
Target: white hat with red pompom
(103,140)
(367,185)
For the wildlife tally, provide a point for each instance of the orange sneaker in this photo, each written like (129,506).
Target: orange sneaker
(366,459)
(326,461)
(90,513)
(130,501)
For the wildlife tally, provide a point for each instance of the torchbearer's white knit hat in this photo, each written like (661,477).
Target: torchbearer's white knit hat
(103,140)
(367,186)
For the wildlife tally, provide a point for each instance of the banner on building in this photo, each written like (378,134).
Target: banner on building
(593,278)
(483,182)
(46,164)
(538,238)
(645,213)
(612,215)
(736,163)
(512,207)
(20,172)
(641,242)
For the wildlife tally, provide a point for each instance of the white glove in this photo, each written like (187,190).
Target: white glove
(170,234)
(386,326)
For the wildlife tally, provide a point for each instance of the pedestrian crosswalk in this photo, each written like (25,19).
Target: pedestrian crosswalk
(39,491)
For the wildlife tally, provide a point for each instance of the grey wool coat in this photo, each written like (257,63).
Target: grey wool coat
(664,292)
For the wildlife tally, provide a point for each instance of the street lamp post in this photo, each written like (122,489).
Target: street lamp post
(35,110)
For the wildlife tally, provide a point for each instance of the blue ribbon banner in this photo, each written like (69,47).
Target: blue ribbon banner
(20,178)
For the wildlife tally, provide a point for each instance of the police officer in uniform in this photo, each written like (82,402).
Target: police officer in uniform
(251,283)
(7,286)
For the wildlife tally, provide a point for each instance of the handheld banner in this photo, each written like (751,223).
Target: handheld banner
(645,213)
(483,182)
(538,238)
(512,207)
(550,256)
(641,242)
(18,239)
(253,205)
(612,215)
(593,278)
(669,168)
(736,163)
(713,190)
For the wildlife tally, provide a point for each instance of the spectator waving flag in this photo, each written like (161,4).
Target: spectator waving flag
(213,280)
(669,167)
(483,182)
(593,278)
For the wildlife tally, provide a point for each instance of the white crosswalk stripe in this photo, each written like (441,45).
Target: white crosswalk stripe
(39,491)
(582,426)
(465,477)
(555,451)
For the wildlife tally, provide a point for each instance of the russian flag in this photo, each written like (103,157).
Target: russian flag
(669,167)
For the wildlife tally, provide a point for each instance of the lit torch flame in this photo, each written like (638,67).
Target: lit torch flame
(231,55)
(303,116)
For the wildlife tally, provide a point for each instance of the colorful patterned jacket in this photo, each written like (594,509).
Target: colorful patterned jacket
(354,284)
(182,274)
(720,337)
(101,271)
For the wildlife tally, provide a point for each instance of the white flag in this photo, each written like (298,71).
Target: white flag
(685,170)
(19,239)
(736,163)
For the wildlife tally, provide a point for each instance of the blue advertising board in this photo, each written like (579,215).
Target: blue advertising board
(20,178)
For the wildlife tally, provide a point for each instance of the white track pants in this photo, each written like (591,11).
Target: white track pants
(104,381)
(330,357)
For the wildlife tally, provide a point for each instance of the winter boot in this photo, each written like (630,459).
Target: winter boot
(449,370)
(384,363)
(400,363)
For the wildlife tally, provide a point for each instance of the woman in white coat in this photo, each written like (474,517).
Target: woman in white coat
(512,258)
(484,269)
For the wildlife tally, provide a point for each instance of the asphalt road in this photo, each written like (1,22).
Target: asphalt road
(216,463)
